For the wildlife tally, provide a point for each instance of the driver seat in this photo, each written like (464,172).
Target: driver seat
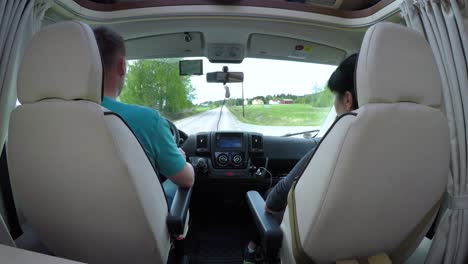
(79,175)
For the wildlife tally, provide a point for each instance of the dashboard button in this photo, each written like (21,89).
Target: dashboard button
(237,159)
(223,159)
(201,164)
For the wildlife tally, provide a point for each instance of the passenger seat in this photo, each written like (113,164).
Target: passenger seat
(11,255)
(374,184)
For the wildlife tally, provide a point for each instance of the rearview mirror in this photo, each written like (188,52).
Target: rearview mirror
(224,77)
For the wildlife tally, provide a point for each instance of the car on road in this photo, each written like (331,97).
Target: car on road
(243,86)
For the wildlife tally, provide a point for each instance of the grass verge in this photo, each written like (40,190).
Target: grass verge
(187,113)
(281,115)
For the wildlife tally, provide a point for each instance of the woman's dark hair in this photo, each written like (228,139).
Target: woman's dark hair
(343,79)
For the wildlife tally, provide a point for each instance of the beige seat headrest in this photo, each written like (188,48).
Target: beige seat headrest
(62,61)
(396,64)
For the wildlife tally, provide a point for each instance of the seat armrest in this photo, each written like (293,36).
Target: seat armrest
(178,213)
(269,228)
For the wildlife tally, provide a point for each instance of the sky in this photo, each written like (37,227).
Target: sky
(263,77)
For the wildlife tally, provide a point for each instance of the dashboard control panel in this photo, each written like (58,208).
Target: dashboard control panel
(228,153)
(230,150)
(239,156)
(229,159)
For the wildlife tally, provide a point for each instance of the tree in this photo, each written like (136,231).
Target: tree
(157,84)
(323,98)
(260,98)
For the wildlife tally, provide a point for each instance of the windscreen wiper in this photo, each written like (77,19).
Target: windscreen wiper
(303,132)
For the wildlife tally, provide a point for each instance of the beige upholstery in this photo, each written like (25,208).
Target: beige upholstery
(11,255)
(80,177)
(394,68)
(52,60)
(377,174)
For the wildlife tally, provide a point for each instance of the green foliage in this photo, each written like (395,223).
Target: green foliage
(306,99)
(233,102)
(186,113)
(322,99)
(157,84)
(281,115)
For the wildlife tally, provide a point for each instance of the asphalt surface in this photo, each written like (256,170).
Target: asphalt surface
(208,121)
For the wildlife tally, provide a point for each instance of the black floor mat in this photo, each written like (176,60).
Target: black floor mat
(220,245)
(219,236)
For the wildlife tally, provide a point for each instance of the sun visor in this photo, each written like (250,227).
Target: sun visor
(282,48)
(176,45)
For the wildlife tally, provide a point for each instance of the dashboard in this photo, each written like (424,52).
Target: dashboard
(244,155)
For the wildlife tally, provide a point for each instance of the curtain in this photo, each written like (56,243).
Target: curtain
(444,25)
(19,19)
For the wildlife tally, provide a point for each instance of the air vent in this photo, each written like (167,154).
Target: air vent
(257,143)
(202,141)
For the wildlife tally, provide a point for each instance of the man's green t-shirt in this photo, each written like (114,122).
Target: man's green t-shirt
(153,132)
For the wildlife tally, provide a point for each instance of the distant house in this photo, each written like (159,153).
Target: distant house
(257,102)
(287,101)
(274,102)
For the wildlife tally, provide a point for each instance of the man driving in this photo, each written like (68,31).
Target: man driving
(149,127)
(342,84)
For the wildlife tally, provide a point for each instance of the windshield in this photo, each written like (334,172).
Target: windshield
(276,97)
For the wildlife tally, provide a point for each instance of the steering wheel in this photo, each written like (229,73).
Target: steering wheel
(174,131)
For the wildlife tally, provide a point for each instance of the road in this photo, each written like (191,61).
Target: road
(208,121)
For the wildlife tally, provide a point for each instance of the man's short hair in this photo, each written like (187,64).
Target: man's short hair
(343,79)
(110,45)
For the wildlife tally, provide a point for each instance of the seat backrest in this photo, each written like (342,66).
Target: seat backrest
(379,171)
(78,173)
(13,255)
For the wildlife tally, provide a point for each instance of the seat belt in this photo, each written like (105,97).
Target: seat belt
(382,258)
